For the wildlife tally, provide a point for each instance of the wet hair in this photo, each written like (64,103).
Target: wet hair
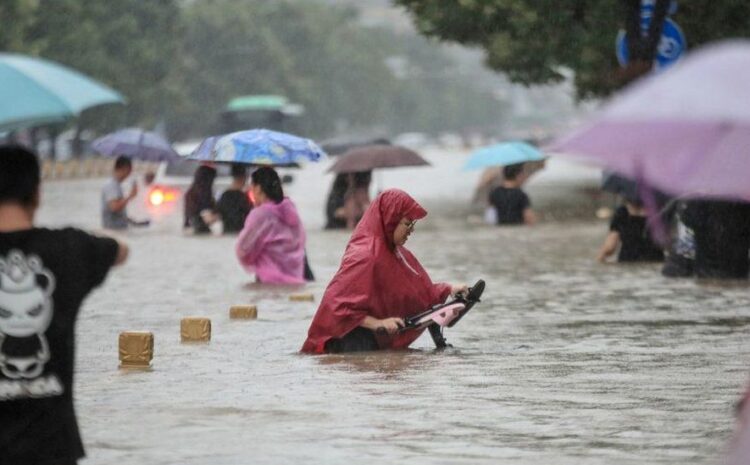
(19,175)
(634,200)
(362,178)
(123,161)
(268,180)
(199,195)
(239,170)
(204,177)
(149,177)
(511,172)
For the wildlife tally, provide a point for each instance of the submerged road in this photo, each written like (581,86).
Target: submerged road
(565,361)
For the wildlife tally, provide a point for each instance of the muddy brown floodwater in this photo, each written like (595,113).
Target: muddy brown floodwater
(564,361)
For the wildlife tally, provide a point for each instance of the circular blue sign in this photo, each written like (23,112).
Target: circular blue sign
(647,11)
(670,49)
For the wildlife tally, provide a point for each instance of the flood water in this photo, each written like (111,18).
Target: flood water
(564,361)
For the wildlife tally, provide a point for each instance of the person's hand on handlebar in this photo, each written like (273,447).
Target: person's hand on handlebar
(392,325)
(459,289)
(389,325)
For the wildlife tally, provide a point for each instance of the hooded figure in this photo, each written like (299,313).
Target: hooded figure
(272,243)
(377,278)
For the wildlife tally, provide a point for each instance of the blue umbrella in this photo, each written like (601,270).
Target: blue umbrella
(507,153)
(258,147)
(137,144)
(36,91)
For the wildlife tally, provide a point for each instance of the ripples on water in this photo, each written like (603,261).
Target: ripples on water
(564,361)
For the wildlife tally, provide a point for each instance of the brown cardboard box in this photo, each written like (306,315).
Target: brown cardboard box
(136,348)
(195,329)
(247,312)
(302,298)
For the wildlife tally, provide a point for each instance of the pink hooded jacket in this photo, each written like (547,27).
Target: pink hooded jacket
(272,243)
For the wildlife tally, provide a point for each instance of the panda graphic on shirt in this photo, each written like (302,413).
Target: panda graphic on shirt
(26,310)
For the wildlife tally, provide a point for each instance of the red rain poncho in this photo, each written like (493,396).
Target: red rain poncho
(376,278)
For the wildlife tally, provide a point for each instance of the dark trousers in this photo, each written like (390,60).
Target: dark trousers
(357,340)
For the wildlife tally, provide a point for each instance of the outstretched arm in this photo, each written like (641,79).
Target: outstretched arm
(611,242)
(529,217)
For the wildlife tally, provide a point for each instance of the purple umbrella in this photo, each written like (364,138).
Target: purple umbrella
(137,144)
(685,131)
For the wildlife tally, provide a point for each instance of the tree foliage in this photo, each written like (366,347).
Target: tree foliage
(181,61)
(532,40)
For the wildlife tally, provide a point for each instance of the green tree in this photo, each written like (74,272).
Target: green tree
(323,58)
(16,16)
(181,61)
(128,44)
(531,40)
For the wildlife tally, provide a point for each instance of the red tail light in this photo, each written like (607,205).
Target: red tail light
(161,195)
(156,197)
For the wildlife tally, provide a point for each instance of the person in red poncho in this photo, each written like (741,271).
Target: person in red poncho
(378,284)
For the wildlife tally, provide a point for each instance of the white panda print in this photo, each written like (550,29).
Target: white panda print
(26,310)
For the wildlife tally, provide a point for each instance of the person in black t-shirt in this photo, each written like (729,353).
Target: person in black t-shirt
(234,205)
(511,204)
(45,274)
(722,238)
(629,231)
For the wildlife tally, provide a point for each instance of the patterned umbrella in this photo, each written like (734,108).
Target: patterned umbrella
(260,147)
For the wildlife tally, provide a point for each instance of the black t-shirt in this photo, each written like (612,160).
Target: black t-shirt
(44,277)
(509,204)
(233,207)
(722,238)
(637,245)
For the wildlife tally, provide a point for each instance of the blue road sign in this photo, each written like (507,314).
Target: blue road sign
(647,11)
(672,46)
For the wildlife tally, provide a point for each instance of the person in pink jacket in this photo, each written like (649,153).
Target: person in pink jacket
(272,243)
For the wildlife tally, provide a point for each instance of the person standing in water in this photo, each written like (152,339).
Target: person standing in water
(357,198)
(628,231)
(271,244)
(114,202)
(722,238)
(45,274)
(511,204)
(234,205)
(378,284)
(200,205)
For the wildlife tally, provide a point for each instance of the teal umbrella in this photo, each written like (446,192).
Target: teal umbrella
(34,91)
(507,153)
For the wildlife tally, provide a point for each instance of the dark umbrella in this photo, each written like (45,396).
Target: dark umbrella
(137,144)
(341,145)
(371,157)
